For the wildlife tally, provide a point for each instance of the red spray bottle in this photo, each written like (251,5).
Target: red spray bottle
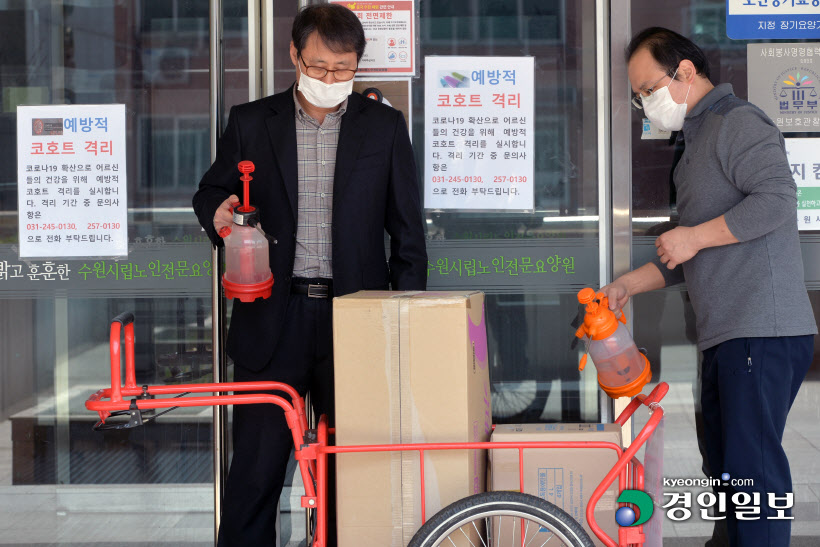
(247,268)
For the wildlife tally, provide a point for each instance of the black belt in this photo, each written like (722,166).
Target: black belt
(313,288)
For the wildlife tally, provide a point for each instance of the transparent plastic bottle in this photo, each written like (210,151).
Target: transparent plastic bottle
(617,358)
(622,369)
(246,256)
(247,266)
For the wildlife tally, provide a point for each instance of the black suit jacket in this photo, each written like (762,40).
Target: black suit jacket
(375,189)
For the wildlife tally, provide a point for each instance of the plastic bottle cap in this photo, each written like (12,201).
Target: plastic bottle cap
(599,321)
(585,296)
(246,166)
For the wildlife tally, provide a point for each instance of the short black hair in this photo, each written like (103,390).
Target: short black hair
(669,48)
(338,27)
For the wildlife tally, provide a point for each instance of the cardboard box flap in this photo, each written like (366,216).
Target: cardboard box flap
(372,295)
(421,298)
(557,432)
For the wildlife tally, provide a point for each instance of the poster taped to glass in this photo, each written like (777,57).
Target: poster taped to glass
(71,181)
(479,121)
(389,29)
(783,81)
(804,162)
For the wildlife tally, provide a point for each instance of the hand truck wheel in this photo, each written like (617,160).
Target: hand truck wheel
(499,519)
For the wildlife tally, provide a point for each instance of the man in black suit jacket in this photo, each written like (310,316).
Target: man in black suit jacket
(326,224)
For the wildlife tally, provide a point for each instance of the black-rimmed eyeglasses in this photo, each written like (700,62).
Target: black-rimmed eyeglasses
(318,72)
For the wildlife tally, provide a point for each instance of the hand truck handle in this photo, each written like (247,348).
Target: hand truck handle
(124,319)
(628,535)
(654,398)
(122,322)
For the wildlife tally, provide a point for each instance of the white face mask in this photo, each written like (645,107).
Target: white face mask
(663,111)
(321,94)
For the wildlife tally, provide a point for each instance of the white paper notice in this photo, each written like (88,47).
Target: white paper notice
(652,131)
(804,161)
(479,121)
(71,185)
(390,35)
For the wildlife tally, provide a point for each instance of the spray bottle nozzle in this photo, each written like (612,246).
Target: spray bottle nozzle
(587,295)
(246,167)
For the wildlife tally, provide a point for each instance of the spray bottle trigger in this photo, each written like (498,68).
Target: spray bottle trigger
(622,317)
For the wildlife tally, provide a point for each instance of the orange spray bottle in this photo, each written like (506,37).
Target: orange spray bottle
(622,369)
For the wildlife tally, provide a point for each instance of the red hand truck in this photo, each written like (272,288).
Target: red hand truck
(481,517)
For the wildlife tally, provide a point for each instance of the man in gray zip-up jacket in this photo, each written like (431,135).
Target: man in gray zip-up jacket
(738,250)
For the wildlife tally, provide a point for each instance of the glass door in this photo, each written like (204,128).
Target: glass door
(61,482)
(531,265)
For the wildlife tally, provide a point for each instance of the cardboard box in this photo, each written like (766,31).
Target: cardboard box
(565,477)
(410,367)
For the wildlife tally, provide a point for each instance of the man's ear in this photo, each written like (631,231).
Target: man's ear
(688,71)
(294,55)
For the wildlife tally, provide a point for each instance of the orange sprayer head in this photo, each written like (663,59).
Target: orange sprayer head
(599,321)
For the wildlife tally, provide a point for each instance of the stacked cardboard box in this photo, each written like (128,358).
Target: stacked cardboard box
(410,367)
(565,477)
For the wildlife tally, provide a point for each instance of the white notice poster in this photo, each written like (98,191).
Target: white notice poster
(71,183)
(804,161)
(390,34)
(479,122)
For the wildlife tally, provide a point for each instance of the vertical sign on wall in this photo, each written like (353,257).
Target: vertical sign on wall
(804,161)
(479,121)
(784,82)
(389,29)
(71,184)
(773,19)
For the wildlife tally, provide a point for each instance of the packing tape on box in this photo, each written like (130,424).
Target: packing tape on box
(409,460)
(393,363)
(425,299)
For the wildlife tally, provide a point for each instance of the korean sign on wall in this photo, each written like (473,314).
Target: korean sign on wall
(804,160)
(773,19)
(154,267)
(563,265)
(479,121)
(71,183)
(784,82)
(389,28)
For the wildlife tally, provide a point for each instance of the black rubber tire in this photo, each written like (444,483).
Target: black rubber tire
(478,506)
